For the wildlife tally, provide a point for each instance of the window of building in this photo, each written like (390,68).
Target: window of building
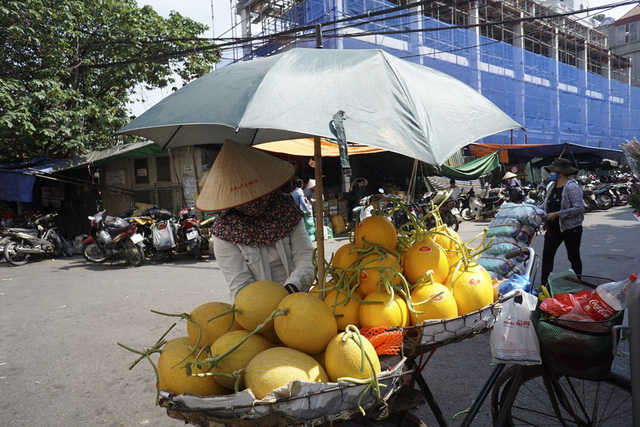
(163,169)
(141,171)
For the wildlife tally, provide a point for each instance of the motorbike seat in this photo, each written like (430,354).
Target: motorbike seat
(115,230)
(489,199)
(30,231)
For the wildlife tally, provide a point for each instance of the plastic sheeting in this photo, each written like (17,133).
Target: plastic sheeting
(473,169)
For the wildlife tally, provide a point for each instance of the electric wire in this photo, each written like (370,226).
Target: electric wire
(290,34)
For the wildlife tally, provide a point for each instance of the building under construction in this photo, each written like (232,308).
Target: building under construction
(540,62)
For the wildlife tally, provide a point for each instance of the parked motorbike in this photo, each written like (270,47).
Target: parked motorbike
(423,211)
(487,205)
(113,238)
(463,206)
(190,239)
(535,193)
(43,239)
(160,233)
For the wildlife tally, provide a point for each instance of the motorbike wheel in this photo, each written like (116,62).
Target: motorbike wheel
(13,255)
(61,247)
(134,254)
(588,204)
(92,253)
(467,214)
(451,221)
(604,201)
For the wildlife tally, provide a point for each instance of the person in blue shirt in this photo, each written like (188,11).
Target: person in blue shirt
(300,199)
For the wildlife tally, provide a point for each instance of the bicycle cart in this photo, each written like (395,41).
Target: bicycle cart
(574,385)
(313,404)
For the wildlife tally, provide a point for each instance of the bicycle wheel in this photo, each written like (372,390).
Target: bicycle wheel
(545,399)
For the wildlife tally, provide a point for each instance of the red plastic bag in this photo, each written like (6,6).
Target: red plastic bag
(562,303)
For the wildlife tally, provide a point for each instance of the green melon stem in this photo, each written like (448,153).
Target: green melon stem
(146,353)
(214,361)
(188,318)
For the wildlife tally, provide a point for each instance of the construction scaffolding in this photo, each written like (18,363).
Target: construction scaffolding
(554,75)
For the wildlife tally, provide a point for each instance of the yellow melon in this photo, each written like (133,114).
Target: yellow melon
(377,268)
(442,306)
(375,230)
(214,329)
(345,257)
(472,290)
(450,243)
(256,302)
(422,257)
(393,315)
(279,366)
(344,359)
(345,309)
(239,358)
(174,378)
(308,325)
(472,266)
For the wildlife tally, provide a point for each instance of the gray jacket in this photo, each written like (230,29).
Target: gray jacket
(571,207)
(243,265)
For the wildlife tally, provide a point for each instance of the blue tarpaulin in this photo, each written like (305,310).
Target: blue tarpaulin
(17,179)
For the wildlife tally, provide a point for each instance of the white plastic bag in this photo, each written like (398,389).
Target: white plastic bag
(513,338)
(163,235)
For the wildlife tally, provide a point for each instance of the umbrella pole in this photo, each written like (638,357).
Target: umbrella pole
(317,151)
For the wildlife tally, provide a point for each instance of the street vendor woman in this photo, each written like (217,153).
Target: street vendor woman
(259,234)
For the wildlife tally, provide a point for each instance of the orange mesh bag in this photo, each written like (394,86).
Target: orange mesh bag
(384,341)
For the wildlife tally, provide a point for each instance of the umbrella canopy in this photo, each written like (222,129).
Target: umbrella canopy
(389,103)
(305,147)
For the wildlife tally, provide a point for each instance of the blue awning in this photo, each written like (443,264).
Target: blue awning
(17,179)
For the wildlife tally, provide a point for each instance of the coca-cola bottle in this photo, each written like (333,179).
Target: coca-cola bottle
(604,302)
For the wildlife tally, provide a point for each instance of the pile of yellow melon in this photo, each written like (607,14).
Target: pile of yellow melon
(269,338)
(298,340)
(414,281)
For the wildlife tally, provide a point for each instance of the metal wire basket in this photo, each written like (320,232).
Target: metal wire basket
(299,403)
(577,348)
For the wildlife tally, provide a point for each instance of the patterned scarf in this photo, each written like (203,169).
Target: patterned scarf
(259,223)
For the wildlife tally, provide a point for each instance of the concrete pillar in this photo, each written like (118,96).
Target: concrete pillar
(474,57)
(607,74)
(338,13)
(554,83)
(245,28)
(416,37)
(518,70)
(583,80)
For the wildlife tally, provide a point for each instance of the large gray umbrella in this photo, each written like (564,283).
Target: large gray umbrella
(389,103)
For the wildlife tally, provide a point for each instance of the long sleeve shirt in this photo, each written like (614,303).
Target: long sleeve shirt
(242,265)
(571,213)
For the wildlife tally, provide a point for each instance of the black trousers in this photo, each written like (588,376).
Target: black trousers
(552,241)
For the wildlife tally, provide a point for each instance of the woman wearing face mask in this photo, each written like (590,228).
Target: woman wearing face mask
(565,212)
(260,234)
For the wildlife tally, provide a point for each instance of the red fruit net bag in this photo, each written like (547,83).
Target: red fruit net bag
(562,303)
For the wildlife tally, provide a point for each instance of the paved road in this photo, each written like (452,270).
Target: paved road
(60,321)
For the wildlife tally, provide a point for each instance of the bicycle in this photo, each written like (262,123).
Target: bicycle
(564,391)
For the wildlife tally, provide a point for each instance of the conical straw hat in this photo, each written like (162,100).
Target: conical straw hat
(241,174)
